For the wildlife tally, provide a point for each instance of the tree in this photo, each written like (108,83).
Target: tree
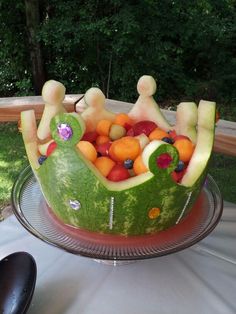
(35,51)
(15,77)
(188,48)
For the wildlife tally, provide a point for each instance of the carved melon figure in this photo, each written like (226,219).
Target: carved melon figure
(81,196)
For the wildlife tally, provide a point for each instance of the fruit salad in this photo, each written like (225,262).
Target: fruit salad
(115,147)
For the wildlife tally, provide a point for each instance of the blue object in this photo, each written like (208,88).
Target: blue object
(167,140)
(42,159)
(128,163)
(180,166)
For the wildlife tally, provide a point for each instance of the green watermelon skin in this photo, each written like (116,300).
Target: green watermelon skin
(105,208)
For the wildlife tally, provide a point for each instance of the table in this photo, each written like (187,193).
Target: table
(200,279)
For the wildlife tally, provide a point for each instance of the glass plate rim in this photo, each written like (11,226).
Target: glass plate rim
(27,173)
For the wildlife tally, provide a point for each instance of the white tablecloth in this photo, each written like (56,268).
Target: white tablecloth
(200,279)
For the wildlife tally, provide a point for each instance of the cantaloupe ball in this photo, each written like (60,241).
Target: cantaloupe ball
(185,149)
(158,134)
(139,166)
(88,150)
(103,127)
(104,165)
(123,119)
(102,139)
(125,148)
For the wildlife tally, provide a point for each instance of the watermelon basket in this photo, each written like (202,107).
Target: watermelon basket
(82,202)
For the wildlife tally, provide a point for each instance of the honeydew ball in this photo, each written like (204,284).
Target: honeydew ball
(116,131)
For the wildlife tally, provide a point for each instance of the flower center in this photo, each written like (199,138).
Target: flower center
(164,160)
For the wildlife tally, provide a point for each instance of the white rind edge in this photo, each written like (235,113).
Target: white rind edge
(186,120)
(204,145)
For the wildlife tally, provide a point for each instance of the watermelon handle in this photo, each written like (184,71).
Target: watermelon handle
(163,160)
(67,129)
(160,158)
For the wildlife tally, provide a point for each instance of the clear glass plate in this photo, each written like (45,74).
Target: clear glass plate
(32,211)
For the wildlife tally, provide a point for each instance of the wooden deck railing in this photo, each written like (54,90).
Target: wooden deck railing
(10,108)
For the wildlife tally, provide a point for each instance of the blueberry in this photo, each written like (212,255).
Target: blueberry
(128,163)
(167,140)
(180,166)
(42,159)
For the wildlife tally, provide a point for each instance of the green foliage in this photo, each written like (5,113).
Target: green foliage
(223,170)
(15,78)
(189,47)
(12,159)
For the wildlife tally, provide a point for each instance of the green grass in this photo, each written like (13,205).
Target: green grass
(223,170)
(13,160)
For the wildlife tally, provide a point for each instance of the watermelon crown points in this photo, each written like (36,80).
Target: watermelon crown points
(53,94)
(146,86)
(207,109)
(95,98)
(146,107)
(95,110)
